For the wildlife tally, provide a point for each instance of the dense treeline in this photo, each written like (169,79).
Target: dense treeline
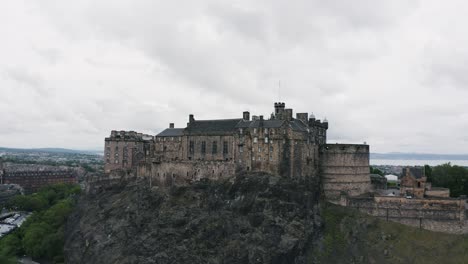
(449,176)
(42,235)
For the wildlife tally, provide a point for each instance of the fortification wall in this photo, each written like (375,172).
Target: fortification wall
(441,215)
(184,172)
(345,168)
(438,192)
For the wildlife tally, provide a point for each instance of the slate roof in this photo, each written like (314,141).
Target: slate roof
(220,126)
(273,123)
(171,132)
(298,125)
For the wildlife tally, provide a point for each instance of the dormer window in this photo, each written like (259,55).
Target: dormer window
(240,131)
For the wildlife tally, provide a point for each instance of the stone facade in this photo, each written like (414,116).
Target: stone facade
(447,215)
(345,170)
(125,149)
(413,182)
(281,145)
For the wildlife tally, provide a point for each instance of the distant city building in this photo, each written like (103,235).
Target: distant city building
(32,181)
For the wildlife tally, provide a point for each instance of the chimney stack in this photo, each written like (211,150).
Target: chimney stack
(191,118)
(288,114)
(246,116)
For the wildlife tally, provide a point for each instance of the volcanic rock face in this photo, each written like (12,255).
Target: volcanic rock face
(254,218)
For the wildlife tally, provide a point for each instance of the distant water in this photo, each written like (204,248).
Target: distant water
(417,162)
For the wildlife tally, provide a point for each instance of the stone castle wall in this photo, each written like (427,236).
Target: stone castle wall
(183,172)
(440,215)
(345,168)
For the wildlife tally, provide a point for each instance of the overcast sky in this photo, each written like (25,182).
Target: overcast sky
(391,73)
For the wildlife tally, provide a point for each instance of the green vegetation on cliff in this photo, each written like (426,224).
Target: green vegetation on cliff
(351,237)
(42,235)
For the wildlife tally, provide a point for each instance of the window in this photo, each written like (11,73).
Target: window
(214,148)
(255,131)
(255,140)
(241,149)
(266,140)
(253,157)
(259,149)
(240,131)
(225,147)
(172,138)
(192,147)
(203,147)
(271,148)
(265,130)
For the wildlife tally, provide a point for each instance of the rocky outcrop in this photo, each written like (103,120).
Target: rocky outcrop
(255,218)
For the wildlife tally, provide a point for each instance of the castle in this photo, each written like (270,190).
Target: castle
(281,145)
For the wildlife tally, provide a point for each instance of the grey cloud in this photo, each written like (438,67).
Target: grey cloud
(384,72)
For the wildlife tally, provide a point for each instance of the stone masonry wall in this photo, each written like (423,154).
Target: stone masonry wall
(345,168)
(184,172)
(441,215)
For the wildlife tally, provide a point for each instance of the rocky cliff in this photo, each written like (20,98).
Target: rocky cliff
(255,218)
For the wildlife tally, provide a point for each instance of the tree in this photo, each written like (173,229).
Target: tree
(453,177)
(376,171)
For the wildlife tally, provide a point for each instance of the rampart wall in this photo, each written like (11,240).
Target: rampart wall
(184,172)
(345,168)
(441,215)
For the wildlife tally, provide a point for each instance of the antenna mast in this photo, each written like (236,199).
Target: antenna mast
(279,89)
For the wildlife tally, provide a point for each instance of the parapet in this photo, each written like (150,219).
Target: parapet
(347,148)
(128,136)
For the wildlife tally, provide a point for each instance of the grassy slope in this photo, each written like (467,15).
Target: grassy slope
(351,237)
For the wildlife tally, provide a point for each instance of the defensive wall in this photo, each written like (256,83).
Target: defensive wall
(440,215)
(170,173)
(345,168)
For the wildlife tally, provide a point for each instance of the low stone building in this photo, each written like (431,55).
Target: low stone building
(413,182)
